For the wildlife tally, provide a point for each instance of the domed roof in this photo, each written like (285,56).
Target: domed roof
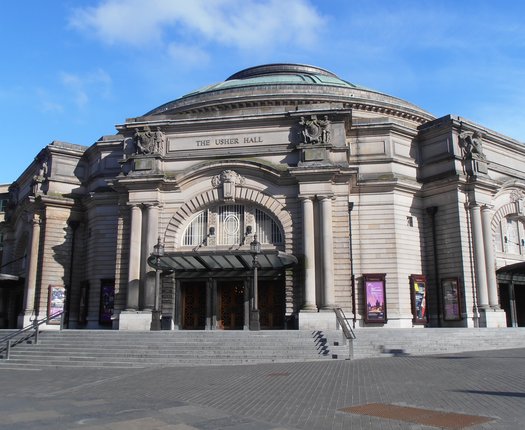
(281,83)
(277,74)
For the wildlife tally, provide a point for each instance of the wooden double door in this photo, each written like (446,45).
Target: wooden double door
(226,305)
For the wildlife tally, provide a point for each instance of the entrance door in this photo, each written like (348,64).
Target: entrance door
(231,305)
(193,295)
(271,304)
(519,295)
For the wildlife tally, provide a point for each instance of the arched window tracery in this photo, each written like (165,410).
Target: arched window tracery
(230,225)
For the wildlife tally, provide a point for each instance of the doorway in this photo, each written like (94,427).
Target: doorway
(519,296)
(271,304)
(231,300)
(193,297)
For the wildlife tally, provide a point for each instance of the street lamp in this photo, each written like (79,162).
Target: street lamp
(255,250)
(158,251)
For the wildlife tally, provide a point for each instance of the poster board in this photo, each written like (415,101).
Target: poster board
(56,301)
(375,297)
(418,299)
(451,299)
(107,301)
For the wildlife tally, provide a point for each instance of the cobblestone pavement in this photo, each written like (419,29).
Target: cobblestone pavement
(267,397)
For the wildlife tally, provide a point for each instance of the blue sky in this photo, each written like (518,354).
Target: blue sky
(73,69)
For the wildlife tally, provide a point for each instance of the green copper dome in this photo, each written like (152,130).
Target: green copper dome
(285,84)
(277,74)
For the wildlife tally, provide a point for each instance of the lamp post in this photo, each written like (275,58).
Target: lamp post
(158,251)
(255,250)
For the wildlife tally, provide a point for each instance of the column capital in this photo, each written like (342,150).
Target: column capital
(151,205)
(487,207)
(34,219)
(304,197)
(322,197)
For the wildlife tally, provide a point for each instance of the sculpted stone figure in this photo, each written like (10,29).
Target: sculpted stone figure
(144,141)
(40,177)
(325,131)
(228,179)
(159,139)
(314,130)
(472,145)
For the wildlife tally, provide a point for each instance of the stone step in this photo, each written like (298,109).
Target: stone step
(170,348)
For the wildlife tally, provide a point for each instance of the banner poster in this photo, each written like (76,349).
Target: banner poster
(375,298)
(451,299)
(107,301)
(419,298)
(56,301)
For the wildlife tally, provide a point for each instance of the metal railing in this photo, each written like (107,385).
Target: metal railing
(25,334)
(342,320)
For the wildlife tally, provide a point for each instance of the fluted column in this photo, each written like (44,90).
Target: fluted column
(328,253)
(309,254)
(134,258)
(479,256)
(152,234)
(32,267)
(492,283)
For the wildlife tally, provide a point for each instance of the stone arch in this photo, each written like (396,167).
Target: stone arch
(504,211)
(242,194)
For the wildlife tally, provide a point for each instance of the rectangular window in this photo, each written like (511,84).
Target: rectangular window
(3,205)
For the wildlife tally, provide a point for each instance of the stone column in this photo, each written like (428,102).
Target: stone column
(492,283)
(479,257)
(32,268)
(135,241)
(327,247)
(309,254)
(512,305)
(152,234)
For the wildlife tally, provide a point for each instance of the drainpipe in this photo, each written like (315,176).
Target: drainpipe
(73,225)
(352,276)
(432,212)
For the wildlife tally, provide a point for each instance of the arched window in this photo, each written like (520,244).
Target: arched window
(231,225)
(509,237)
(267,229)
(197,231)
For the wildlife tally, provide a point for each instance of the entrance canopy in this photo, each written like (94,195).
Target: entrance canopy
(512,272)
(220,261)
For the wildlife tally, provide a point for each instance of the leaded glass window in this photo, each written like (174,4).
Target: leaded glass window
(197,231)
(229,225)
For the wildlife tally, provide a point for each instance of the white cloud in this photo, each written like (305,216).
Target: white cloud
(83,86)
(241,24)
(188,55)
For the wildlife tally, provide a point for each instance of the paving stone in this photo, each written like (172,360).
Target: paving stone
(284,396)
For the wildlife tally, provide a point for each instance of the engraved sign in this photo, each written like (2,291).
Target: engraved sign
(192,141)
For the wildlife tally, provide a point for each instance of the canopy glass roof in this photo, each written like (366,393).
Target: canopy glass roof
(220,261)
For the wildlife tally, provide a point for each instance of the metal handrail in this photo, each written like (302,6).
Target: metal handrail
(26,333)
(345,325)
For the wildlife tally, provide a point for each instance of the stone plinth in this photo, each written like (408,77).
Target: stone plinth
(324,320)
(495,318)
(135,320)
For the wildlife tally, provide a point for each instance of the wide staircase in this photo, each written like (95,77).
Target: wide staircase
(98,348)
(384,342)
(106,348)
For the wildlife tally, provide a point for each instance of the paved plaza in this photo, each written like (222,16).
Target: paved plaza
(488,385)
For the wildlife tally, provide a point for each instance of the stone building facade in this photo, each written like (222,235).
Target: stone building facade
(357,199)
